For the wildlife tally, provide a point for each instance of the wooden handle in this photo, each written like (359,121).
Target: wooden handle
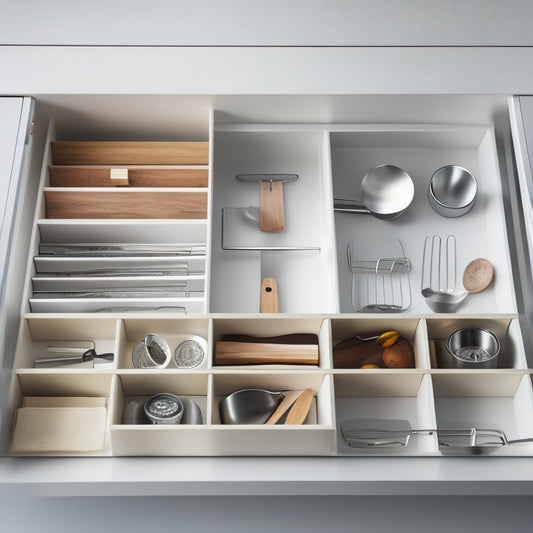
(271,210)
(269,296)
(300,408)
(255,353)
(289,397)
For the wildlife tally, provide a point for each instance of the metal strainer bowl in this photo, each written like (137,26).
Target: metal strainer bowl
(152,352)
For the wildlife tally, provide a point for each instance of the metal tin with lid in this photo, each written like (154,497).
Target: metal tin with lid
(164,408)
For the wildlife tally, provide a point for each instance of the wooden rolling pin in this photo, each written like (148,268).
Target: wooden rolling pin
(257,353)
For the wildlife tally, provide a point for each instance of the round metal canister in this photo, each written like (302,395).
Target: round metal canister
(164,408)
(473,348)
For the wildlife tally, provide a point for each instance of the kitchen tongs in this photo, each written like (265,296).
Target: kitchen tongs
(71,357)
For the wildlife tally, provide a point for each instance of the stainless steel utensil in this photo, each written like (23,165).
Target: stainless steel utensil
(71,359)
(395,434)
(439,272)
(452,191)
(152,352)
(439,275)
(380,285)
(249,406)
(473,348)
(386,192)
(122,249)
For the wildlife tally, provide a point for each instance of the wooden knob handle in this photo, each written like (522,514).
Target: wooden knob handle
(269,296)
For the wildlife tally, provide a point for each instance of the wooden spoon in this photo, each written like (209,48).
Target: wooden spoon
(288,399)
(300,408)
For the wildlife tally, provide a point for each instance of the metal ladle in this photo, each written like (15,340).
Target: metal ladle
(386,192)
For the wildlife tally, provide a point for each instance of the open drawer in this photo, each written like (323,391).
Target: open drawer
(115,281)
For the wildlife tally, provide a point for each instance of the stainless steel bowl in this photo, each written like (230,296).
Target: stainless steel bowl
(473,348)
(452,191)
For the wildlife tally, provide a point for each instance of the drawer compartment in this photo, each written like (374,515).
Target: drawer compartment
(143,438)
(300,258)
(312,334)
(315,437)
(65,339)
(173,331)
(385,400)
(419,150)
(361,335)
(495,402)
(61,414)
(506,330)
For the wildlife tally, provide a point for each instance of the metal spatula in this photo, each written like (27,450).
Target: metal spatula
(383,434)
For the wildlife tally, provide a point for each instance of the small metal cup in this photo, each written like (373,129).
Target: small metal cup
(152,352)
(164,408)
(452,191)
(473,348)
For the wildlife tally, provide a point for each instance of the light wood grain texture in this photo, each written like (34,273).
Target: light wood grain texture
(129,153)
(289,398)
(91,176)
(300,409)
(271,208)
(268,302)
(125,204)
(118,177)
(252,353)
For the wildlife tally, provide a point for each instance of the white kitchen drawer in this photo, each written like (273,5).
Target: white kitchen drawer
(308,261)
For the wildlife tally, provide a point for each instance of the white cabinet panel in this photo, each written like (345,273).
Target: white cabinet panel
(274,23)
(14,116)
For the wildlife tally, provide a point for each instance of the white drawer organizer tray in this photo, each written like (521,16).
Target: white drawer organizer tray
(308,260)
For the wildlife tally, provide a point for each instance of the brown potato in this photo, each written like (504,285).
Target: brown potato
(399,355)
(374,360)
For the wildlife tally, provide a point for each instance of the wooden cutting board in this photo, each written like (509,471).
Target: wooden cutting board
(255,353)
